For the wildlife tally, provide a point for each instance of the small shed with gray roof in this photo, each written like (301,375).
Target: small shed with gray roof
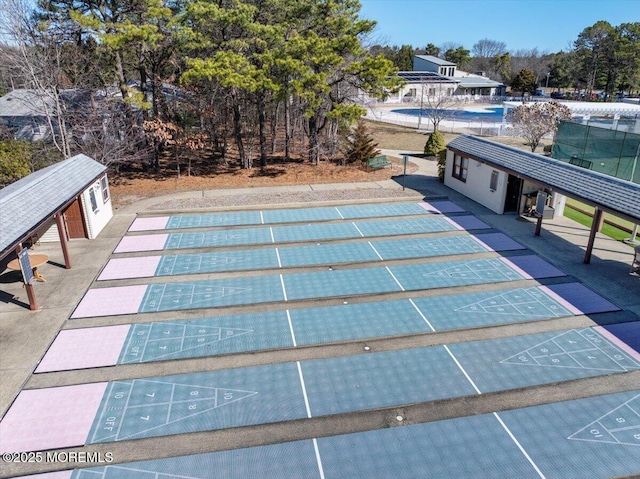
(67,200)
(505,179)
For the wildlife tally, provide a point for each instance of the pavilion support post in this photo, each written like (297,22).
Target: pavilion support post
(598,218)
(63,240)
(31,294)
(539,225)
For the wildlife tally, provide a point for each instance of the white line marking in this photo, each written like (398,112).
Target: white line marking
(318,460)
(278,256)
(304,390)
(284,290)
(356,227)
(293,336)
(462,369)
(273,240)
(261,217)
(339,212)
(513,438)
(422,315)
(375,251)
(395,279)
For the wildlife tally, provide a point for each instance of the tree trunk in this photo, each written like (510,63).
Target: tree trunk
(237,131)
(262,123)
(314,143)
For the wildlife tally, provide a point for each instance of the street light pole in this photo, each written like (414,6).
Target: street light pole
(547,85)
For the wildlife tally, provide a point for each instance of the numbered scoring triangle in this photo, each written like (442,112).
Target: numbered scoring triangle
(519,302)
(580,349)
(156,404)
(190,337)
(620,426)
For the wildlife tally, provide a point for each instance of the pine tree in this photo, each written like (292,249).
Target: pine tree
(360,146)
(435,144)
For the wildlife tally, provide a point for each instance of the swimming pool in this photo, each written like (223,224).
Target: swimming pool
(492,115)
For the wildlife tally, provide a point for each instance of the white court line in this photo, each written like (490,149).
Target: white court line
(356,227)
(284,290)
(462,369)
(124,409)
(278,256)
(261,217)
(375,251)
(173,390)
(422,315)
(318,460)
(513,438)
(273,240)
(293,336)
(339,212)
(304,391)
(395,279)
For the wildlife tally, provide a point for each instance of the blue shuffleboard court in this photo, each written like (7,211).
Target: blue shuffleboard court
(565,440)
(239,333)
(159,406)
(290,215)
(294,233)
(300,286)
(299,256)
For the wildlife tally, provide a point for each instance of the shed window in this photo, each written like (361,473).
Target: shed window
(104,186)
(92,197)
(493,185)
(460,167)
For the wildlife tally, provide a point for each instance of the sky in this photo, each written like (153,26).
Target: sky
(548,25)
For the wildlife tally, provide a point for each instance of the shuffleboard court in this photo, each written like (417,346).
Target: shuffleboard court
(291,215)
(552,441)
(299,256)
(110,345)
(152,407)
(293,233)
(301,286)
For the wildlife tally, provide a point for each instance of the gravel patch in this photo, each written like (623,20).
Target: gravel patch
(282,198)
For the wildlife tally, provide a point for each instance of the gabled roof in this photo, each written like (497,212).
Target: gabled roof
(29,202)
(436,60)
(611,194)
(32,103)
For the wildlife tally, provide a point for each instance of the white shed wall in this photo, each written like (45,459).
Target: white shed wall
(477,186)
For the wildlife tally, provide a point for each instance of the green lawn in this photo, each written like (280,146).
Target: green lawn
(586,220)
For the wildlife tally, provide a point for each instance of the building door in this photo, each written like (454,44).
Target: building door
(74,221)
(514,186)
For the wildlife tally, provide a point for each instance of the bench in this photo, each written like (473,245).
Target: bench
(378,162)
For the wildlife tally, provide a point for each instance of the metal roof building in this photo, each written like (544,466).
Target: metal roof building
(605,193)
(28,203)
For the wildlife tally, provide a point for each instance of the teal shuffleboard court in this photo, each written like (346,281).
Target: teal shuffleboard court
(205,401)
(346,322)
(308,232)
(244,260)
(491,307)
(293,215)
(159,406)
(212,293)
(521,361)
(322,284)
(167,340)
(592,437)
(320,254)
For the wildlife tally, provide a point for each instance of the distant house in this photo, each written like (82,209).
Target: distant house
(433,77)
(30,114)
(25,112)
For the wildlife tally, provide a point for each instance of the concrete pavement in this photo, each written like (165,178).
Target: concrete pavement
(25,335)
